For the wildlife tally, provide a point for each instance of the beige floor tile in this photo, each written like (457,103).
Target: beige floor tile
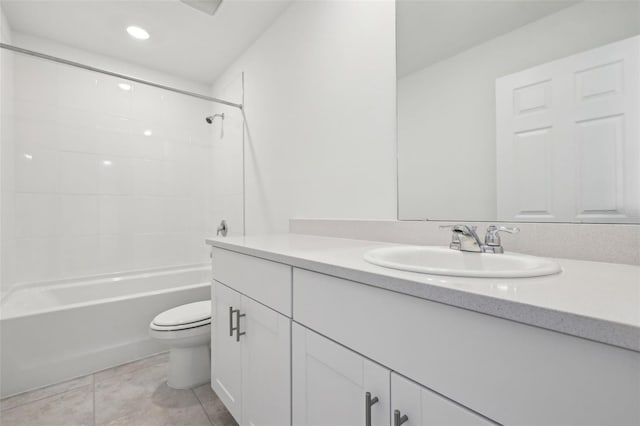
(46,392)
(159,359)
(71,408)
(168,407)
(215,409)
(142,397)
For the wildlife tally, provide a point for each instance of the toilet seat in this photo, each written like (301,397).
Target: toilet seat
(189,316)
(189,326)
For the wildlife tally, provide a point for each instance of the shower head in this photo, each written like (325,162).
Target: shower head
(211,117)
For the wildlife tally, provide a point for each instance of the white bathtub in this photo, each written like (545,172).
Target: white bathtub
(50,332)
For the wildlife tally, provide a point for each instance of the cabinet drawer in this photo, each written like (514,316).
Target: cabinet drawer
(262,280)
(507,371)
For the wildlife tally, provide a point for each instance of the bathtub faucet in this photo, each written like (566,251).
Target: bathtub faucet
(222,228)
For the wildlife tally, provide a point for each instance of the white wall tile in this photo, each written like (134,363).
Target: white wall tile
(149,251)
(114,100)
(112,143)
(78,173)
(33,79)
(35,133)
(76,138)
(116,215)
(114,123)
(79,255)
(78,215)
(152,147)
(179,215)
(149,215)
(78,89)
(37,259)
(36,215)
(36,170)
(115,253)
(115,175)
(148,178)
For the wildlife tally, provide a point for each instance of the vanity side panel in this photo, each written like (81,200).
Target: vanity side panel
(507,371)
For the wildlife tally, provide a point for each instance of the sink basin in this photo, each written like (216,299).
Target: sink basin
(445,261)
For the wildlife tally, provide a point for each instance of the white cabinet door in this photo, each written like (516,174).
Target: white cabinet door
(226,351)
(266,363)
(423,407)
(330,384)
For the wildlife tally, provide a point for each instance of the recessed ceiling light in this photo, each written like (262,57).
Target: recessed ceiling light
(28,156)
(107,163)
(137,32)
(147,132)
(124,86)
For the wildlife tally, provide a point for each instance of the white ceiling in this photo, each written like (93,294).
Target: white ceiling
(184,41)
(429,31)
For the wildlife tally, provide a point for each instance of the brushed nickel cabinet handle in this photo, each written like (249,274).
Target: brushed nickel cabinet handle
(398,419)
(237,328)
(368,402)
(231,321)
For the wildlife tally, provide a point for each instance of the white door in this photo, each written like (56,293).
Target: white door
(226,351)
(333,385)
(568,138)
(266,361)
(423,407)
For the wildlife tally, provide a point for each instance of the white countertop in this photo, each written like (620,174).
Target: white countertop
(594,300)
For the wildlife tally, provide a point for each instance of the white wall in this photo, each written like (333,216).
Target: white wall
(226,199)
(92,193)
(6,151)
(446,124)
(320,115)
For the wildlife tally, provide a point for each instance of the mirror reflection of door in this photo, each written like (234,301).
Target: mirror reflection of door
(457,157)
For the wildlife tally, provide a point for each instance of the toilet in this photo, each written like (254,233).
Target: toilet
(186,329)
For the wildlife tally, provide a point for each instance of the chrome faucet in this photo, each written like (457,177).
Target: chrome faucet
(492,243)
(465,238)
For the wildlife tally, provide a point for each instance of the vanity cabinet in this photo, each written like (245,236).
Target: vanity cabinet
(316,345)
(509,372)
(330,384)
(251,344)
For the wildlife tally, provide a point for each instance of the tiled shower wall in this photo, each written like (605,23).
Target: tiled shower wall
(110,175)
(6,147)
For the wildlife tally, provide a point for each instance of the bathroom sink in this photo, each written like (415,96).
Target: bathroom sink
(445,261)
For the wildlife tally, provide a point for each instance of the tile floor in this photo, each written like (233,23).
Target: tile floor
(130,394)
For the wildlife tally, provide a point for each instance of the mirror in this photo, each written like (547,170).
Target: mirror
(519,110)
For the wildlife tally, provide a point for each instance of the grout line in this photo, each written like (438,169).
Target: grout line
(202,406)
(40,399)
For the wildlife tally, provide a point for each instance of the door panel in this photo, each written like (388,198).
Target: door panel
(330,383)
(226,352)
(266,360)
(426,408)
